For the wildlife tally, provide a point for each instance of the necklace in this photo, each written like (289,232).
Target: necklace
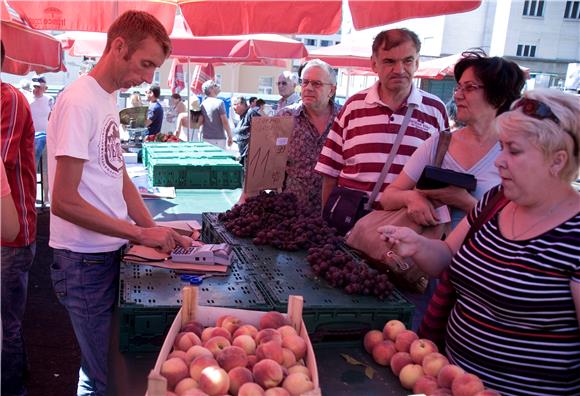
(516,236)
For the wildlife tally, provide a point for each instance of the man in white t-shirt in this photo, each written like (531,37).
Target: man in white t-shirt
(95,207)
(40,107)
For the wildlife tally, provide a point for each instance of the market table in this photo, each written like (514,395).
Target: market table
(130,369)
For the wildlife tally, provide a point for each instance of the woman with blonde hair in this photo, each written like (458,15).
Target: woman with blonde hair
(516,322)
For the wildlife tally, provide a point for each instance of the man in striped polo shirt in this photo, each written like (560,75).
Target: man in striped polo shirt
(363,132)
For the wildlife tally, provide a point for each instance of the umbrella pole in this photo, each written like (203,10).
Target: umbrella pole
(188,101)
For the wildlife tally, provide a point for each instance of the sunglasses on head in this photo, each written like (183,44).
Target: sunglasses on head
(541,111)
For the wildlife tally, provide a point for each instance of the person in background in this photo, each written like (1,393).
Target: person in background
(26,88)
(261,106)
(17,151)
(363,133)
(10,225)
(252,101)
(176,107)
(155,112)
(313,117)
(517,278)
(95,207)
(287,82)
(189,129)
(486,87)
(135,100)
(244,128)
(40,107)
(215,120)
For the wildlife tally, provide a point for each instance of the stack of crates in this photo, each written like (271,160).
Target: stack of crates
(191,165)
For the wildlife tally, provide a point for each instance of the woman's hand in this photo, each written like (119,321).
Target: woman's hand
(451,195)
(421,210)
(404,241)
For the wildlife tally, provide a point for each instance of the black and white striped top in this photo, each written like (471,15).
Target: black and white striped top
(515,323)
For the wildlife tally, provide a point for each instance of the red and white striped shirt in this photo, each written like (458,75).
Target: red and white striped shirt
(363,133)
(17,150)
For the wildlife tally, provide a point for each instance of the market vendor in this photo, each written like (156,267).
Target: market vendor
(313,117)
(95,207)
(516,322)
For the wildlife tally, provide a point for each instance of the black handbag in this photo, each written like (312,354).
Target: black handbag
(344,207)
(434,177)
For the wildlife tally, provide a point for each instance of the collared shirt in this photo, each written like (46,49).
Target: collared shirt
(243,130)
(303,152)
(290,100)
(17,149)
(363,134)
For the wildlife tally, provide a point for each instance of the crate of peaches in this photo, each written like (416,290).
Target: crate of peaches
(419,364)
(224,351)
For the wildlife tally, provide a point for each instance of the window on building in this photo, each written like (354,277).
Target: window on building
(572,10)
(309,42)
(526,50)
(218,79)
(265,85)
(533,8)
(325,43)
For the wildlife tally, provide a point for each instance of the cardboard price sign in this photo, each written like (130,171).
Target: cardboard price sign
(268,152)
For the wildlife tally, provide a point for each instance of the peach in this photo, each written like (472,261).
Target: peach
(216,344)
(193,392)
(296,344)
(185,384)
(427,384)
(206,333)
(231,357)
(194,327)
(228,322)
(441,392)
(179,354)
(272,320)
(200,363)
(287,330)
(447,374)
(289,358)
(488,392)
(251,389)
(252,359)
(184,341)
(404,340)
(410,374)
(246,342)
(433,362)
(298,368)
(268,335)
(238,377)
(267,373)
(466,385)
(297,384)
(174,370)
(214,381)
(270,350)
(214,332)
(383,352)
(400,360)
(421,348)
(196,351)
(277,391)
(371,339)
(246,329)
(392,329)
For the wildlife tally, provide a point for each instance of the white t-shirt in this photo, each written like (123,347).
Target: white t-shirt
(40,109)
(85,125)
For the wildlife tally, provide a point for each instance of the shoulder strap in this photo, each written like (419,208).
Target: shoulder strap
(391,156)
(442,146)
(494,205)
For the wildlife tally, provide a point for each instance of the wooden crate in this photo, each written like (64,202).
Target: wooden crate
(190,310)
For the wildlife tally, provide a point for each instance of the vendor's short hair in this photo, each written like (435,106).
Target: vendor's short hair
(388,39)
(136,26)
(289,76)
(546,134)
(209,84)
(502,79)
(240,100)
(155,90)
(322,65)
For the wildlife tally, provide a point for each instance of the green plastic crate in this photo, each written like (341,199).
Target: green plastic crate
(183,149)
(196,173)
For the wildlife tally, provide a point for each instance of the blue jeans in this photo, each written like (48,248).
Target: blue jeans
(86,284)
(16,262)
(39,144)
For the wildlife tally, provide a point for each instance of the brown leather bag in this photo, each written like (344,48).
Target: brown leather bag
(365,238)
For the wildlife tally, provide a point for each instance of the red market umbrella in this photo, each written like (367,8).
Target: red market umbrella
(28,50)
(201,74)
(176,79)
(350,53)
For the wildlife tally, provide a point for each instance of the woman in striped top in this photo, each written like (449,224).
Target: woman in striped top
(516,320)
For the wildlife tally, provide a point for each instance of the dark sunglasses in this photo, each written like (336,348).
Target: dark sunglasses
(541,111)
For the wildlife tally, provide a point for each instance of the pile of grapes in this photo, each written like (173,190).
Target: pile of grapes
(275,219)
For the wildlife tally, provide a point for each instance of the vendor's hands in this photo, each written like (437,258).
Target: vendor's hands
(162,238)
(451,195)
(421,210)
(402,240)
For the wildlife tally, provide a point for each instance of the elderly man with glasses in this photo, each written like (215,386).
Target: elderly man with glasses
(286,87)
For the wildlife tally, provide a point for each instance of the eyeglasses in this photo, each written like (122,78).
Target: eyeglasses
(541,111)
(315,83)
(282,83)
(467,88)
